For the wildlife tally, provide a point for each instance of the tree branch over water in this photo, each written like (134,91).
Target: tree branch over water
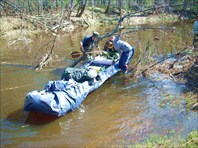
(132,14)
(47,57)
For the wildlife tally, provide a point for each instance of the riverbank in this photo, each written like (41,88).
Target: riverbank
(160,142)
(181,67)
(15,27)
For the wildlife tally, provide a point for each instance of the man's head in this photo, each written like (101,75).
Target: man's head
(95,35)
(111,38)
(109,44)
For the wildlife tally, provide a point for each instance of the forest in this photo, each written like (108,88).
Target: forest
(53,15)
(183,8)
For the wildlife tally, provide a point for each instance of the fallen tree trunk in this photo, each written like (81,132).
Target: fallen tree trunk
(132,14)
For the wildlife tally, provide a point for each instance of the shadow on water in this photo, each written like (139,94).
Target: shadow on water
(58,72)
(32,118)
(23,66)
(17,65)
(166,105)
(38,118)
(20,125)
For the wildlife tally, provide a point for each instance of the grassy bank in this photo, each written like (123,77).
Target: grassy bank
(164,142)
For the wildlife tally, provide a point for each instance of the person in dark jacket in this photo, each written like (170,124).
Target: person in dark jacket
(125,49)
(88,42)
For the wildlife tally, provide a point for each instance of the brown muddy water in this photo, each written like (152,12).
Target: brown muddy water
(119,113)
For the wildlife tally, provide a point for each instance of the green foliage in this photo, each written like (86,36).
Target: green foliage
(156,141)
(192,140)
(190,99)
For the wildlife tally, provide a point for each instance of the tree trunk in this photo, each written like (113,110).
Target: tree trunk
(139,4)
(92,13)
(29,7)
(155,4)
(81,8)
(56,4)
(120,7)
(70,9)
(107,11)
(38,7)
(103,3)
(129,4)
(184,6)
(167,5)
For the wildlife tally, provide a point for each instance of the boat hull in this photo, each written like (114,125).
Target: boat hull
(61,97)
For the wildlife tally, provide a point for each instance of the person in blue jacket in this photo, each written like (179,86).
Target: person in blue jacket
(88,42)
(125,49)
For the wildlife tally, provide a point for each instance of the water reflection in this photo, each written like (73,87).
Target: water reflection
(10,134)
(166,108)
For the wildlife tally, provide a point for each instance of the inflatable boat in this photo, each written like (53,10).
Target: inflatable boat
(63,96)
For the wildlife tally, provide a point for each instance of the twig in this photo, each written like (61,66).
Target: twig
(193,139)
(140,57)
(14,6)
(20,39)
(47,57)
(134,29)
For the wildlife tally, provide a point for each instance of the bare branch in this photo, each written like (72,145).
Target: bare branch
(126,16)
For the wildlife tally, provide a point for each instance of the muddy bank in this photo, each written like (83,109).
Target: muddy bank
(16,27)
(13,28)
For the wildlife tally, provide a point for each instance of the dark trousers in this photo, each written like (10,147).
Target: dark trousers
(125,59)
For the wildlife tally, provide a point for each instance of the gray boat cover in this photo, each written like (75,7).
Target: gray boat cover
(62,96)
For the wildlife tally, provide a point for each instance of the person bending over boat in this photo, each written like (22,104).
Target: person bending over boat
(109,51)
(125,49)
(88,42)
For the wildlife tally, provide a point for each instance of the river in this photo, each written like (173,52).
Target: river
(120,113)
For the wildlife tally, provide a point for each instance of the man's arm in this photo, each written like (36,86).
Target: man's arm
(119,34)
(120,29)
(98,47)
(82,48)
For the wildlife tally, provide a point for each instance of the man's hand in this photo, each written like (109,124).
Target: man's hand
(127,67)
(100,52)
(121,27)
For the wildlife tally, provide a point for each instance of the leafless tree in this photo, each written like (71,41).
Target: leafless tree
(81,8)
(107,11)
(167,5)
(70,9)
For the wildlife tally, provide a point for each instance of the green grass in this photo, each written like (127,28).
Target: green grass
(164,142)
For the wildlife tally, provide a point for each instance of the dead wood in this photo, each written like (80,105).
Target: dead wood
(48,56)
(132,14)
